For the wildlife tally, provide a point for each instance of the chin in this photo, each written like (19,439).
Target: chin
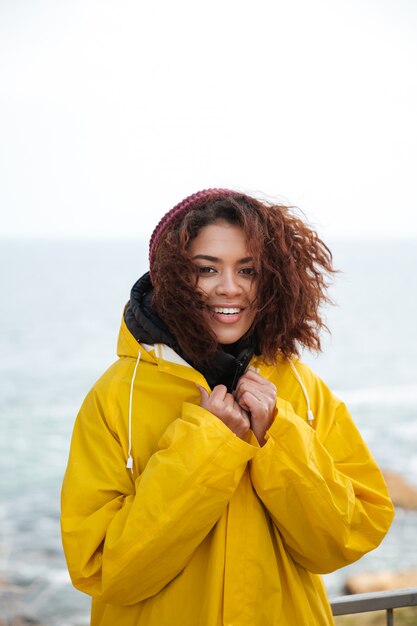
(228,341)
(226,338)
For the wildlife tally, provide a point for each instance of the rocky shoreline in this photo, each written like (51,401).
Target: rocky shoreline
(404,496)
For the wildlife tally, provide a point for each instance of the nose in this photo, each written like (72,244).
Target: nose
(228,284)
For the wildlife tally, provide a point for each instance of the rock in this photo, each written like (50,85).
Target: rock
(402,493)
(381,581)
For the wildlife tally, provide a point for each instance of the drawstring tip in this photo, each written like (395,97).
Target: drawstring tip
(129,463)
(310,415)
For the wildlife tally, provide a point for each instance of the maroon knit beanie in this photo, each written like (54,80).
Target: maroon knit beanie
(178,212)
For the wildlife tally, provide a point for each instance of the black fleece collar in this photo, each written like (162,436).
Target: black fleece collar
(228,363)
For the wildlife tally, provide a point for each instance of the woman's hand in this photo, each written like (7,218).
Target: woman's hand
(257,396)
(224,406)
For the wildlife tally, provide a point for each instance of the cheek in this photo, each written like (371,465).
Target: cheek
(253,316)
(253,292)
(201,287)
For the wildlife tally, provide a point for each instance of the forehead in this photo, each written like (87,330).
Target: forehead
(220,237)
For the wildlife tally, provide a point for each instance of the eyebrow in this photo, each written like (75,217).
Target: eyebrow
(215,259)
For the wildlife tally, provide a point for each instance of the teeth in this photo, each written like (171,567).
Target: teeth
(226,311)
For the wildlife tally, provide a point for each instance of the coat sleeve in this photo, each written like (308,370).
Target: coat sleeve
(327,498)
(125,539)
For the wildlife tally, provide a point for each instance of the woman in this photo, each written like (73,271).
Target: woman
(212,476)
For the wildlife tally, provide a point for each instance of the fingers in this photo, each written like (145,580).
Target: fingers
(252,374)
(219,392)
(214,399)
(263,390)
(224,406)
(204,394)
(252,404)
(257,395)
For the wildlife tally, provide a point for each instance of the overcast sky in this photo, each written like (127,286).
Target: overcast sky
(113,111)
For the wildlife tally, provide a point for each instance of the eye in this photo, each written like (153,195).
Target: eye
(205,269)
(248,271)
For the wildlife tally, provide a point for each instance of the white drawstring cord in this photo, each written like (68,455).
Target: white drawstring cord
(129,463)
(310,415)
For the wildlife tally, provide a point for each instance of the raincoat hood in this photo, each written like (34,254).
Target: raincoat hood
(142,321)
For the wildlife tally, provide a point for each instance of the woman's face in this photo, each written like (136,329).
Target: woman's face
(227,279)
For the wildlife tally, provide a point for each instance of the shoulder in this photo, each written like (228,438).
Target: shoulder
(330,412)
(313,381)
(108,398)
(300,386)
(291,375)
(115,375)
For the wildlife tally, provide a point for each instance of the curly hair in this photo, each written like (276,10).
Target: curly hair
(294,269)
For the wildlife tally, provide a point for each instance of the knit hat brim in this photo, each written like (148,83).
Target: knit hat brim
(178,212)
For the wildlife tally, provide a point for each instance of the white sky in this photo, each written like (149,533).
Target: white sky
(113,111)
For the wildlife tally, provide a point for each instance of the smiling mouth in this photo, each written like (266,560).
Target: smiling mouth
(226,310)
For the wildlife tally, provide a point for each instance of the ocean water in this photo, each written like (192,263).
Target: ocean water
(60,309)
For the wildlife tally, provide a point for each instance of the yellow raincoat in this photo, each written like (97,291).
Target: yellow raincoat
(207,529)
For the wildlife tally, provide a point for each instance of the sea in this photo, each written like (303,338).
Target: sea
(60,309)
